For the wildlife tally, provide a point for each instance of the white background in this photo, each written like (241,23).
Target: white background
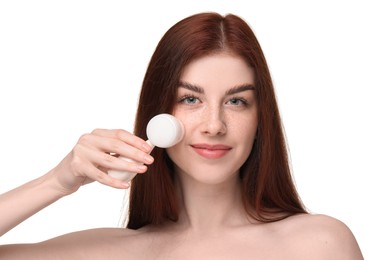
(67,67)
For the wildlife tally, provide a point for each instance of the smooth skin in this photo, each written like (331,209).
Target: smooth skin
(216,104)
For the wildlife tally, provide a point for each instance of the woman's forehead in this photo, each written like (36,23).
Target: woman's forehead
(221,70)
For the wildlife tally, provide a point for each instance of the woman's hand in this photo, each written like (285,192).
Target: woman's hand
(87,162)
(97,152)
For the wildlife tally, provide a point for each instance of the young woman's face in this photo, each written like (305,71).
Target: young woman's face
(216,103)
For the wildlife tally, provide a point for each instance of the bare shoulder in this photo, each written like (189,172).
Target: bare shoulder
(98,243)
(322,236)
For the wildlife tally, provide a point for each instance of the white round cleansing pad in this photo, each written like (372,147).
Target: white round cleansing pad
(164,130)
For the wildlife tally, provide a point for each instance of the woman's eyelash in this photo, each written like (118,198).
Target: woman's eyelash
(188,99)
(243,101)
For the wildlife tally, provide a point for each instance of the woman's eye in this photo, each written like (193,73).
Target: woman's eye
(189,100)
(237,102)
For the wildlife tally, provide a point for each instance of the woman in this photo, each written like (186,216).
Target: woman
(224,192)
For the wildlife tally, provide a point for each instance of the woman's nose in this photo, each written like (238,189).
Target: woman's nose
(213,122)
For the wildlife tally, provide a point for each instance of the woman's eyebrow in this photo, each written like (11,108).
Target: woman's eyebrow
(239,88)
(232,91)
(191,87)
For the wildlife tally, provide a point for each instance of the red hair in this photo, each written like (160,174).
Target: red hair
(267,184)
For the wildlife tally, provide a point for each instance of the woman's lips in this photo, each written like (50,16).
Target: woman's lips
(211,151)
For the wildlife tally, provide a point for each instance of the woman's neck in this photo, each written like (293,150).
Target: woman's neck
(208,207)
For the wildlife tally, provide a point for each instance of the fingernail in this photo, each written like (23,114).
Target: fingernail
(142,168)
(146,147)
(148,159)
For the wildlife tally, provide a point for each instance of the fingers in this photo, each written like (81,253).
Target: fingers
(124,136)
(96,153)
(93,173)
(106,161)
(118,142)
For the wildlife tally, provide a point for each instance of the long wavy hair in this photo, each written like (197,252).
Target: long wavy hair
(267,183)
